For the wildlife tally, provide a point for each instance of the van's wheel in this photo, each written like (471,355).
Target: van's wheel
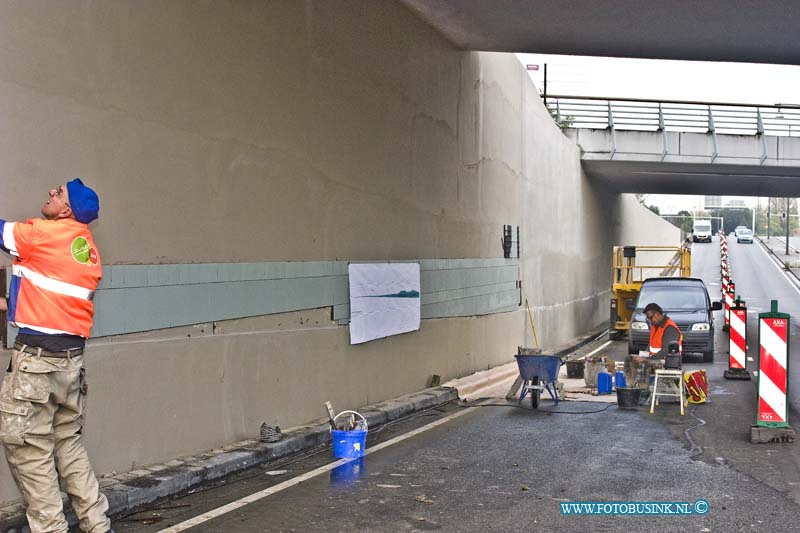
(708,357)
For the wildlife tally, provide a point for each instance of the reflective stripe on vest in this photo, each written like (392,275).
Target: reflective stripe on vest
(52,285)
(54,276)
(8,238)
(657,336)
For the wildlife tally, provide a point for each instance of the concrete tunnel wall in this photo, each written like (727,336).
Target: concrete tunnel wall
(288,131)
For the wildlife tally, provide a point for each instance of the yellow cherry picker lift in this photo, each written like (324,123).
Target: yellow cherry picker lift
(631,265)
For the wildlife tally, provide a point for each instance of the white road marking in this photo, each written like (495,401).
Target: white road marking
(750,359)
(219,511)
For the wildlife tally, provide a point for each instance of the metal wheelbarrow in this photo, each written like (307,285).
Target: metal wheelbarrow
(538,372)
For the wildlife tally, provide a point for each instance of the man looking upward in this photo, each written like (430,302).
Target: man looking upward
(55,272)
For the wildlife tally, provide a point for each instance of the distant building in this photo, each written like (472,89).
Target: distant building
(735,203)
(712,201)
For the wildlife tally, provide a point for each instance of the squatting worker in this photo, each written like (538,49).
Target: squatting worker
(663,332)
(55,272)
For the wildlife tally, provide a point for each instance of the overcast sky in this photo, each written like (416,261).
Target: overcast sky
(745,83)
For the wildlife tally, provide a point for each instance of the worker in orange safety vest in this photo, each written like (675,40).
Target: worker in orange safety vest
(55,272)
(663,333)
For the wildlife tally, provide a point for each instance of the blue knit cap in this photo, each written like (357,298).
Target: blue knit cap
(83,201)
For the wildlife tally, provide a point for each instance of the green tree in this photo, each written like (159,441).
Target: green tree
(684,222)
(642,199)
(777,224)
(733,217)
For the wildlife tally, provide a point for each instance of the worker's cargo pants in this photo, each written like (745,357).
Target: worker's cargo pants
(42,403)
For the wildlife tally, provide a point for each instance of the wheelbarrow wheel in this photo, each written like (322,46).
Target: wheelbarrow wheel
(535,393)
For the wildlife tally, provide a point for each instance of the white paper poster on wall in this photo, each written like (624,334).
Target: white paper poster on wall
(384,300)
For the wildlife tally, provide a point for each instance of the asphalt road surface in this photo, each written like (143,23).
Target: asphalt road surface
(501,467)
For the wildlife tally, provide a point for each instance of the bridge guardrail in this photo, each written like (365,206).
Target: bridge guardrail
(674,115)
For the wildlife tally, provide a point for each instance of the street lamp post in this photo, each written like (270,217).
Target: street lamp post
(758,217)
(769,207)
(787,226)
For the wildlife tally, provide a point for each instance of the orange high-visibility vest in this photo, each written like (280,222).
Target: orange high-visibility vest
(55,273)
(657,335)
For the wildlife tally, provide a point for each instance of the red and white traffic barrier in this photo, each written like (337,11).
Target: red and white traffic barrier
(729,294)
(737,351)
(773,339)
(738,340)
(772,420)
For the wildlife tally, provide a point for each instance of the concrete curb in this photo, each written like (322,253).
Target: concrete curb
(126,492)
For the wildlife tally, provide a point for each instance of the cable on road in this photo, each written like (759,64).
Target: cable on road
(537,411)
(695,450)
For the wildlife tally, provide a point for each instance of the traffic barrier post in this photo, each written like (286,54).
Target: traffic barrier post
(728,303)
(772,420)
(726,276)
(737,350)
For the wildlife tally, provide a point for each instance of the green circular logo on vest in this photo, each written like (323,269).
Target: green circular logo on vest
(80,250)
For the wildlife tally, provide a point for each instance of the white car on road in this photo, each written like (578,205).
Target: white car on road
(744,235)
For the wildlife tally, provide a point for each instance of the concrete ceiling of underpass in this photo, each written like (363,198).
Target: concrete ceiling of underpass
(683,178)
(756,31)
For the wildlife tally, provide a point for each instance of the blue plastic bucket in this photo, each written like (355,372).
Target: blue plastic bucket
(603,383)
(619,379)
(349,444)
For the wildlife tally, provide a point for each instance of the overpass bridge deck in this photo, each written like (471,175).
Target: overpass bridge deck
(685,147)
